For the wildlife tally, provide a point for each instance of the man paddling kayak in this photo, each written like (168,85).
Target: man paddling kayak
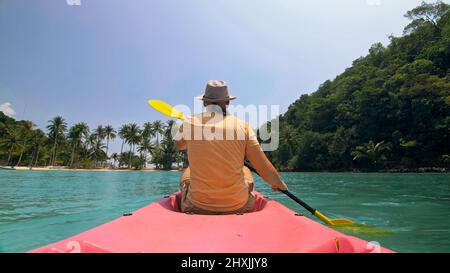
(216,181)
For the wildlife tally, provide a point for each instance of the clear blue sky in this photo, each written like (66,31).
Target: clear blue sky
(99,62)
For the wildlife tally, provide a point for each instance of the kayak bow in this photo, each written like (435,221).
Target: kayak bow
(161,227)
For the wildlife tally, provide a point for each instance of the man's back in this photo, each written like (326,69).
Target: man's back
(216,146)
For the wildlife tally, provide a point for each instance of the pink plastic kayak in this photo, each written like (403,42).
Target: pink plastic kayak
(161,227)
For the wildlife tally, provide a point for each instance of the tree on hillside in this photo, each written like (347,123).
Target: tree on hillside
(426,14)
(371,115)
(371,153)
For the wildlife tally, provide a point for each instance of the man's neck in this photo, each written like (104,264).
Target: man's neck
(215,108)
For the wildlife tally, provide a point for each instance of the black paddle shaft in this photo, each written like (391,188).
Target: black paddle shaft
(299,201)
(290,195)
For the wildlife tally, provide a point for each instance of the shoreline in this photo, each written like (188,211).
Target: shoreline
(50,168)
(90,170)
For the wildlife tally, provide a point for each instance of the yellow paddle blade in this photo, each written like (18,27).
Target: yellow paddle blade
(341,222)
(166,109)
(357,229)
(347,225)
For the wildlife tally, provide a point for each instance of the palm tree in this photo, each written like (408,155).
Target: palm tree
(56,128)
(37,141)
(91,143)
(168,150)
(26,131)
(374,153)
(147,131)
(11,141)
(96,148)
(101,134)
(158,129)
(168,127)
(123,131)
(179,159)
(133,137)
(76,134)
(46,151)
(115,157)
(145,146)
(110,133)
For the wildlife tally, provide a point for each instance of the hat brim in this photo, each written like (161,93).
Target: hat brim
(216,100)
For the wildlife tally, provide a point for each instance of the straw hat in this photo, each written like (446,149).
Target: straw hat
(216,91)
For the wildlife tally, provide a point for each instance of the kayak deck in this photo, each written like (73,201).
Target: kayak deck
(161,227)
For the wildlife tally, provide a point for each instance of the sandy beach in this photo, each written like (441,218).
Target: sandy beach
(50,168)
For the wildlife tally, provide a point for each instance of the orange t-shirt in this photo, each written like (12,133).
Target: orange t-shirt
(216,147)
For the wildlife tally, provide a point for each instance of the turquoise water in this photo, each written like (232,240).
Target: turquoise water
(40,207)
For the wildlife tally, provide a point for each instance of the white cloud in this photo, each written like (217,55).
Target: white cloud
(7,109)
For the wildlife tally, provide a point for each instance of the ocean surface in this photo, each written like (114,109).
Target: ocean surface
(41,207)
